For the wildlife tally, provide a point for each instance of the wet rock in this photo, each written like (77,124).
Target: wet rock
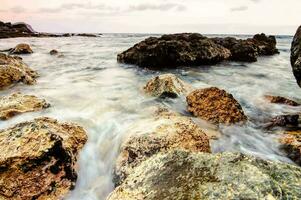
(175,50)
(86,35)
(215,105)
(162,133)
(53,52)
(37,159)
(14,70)
(18,103)
(283,121)
(167,85)
(291,141)
(181,174)
(21,49)
(296,56)
(266,45)
(281,100)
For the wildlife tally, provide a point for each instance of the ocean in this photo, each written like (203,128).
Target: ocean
(87,86)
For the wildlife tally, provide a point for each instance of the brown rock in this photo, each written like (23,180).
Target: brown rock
(21,49)
(162,133)
(37,159)
(167,85)
(266,45)
(14,70)
(283,121)
(18,103)
(215,106)
(291,141)
(281,100)
(296,56)
(53,52)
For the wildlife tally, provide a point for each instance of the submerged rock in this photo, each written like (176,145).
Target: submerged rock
(14,70)
(53,52)
(18,103)
(167,85)
(174,50)
(215,105)
(21,49)
(194,49)
(162,133)
(178,175)
(283,121)
(281,100)
(37,159)
(291,141)
(296,56)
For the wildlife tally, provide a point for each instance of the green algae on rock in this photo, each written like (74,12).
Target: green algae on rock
(18,103)
(14,70)
(164,132)
(178,175)
(167,85)
(37,159)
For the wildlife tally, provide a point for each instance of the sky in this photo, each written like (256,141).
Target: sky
(156,16)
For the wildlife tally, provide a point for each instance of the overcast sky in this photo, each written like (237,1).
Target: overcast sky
(156,16)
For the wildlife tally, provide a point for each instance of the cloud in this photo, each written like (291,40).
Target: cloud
(17,9)
(240,8)
(159,7)
(255,1)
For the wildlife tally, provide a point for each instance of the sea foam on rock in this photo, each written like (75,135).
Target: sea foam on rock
(37,159)
(296,56)
(18,103)
(167,85)
(195,49)
(14,70)
(180,174)
(215,105)
(161,133)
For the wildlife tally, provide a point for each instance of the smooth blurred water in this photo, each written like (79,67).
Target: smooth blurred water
(89,87)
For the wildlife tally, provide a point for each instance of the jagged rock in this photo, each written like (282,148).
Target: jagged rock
(148,137)
(174,50)
(21,49)
(215,106)
(18,103)
(53,52)
(194,49)
(178,175)
(291,141)
(281,100)
(296,56)
(283,121)
(167,85)
(37,159)
(14,70)
(8,30)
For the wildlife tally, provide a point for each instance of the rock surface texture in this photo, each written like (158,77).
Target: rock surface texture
(178,175)
(291,141)
(194,49)
(21,49)
(162,133)
(37,159)
(281,100)
(215,105)
(14,70)
(296,56)
(18,103)
(167,85)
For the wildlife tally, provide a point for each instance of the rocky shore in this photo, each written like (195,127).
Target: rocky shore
(193,49)
(9,30)
(167,155)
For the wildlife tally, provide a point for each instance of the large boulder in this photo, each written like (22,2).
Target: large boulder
(296,56)
(21,49)
(281,100)
(18,103)
(266,45)
(14,70)
(159,134)
(178,175)
(174,50)
(215,105)
(37,159)
(167,85)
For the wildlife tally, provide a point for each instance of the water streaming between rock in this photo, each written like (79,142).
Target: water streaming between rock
(89,87)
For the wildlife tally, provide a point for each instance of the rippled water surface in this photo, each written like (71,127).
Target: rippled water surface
(89,87)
